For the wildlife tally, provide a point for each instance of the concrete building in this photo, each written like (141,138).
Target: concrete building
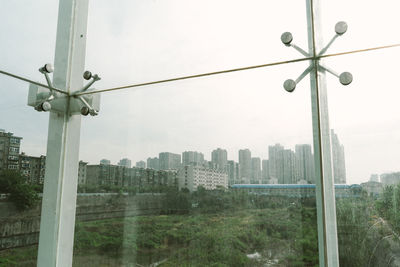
(103,174)
(374,178)
(233,172)
(192,158)
(82,172)
(105,162)
(125,162)
(169,161)
(153,163)
(32,168)
(392,178)
(219,157)
(338,160)
(9,151)
(140,164)
(373,188)
(245,165)
(265,171)
(255,170)
(275,162)
(289,168)
(191,177)
(305,169)
(145,180)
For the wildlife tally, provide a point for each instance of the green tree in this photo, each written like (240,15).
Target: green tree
(23,195)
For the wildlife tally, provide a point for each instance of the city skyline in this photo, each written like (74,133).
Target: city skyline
(283,166)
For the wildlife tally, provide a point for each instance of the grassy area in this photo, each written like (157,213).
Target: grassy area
(204,239)
(286,235)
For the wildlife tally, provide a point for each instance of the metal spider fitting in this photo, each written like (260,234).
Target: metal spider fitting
(47,99)
(345,78)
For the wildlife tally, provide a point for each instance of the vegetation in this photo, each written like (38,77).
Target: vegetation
(23,195)
(223,228)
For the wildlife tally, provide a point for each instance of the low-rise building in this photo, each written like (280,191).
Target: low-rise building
(191,177)
(143,179)
(372,187)
(9,151)
(32,168)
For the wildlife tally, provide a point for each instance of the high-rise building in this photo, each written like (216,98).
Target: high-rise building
(392,178)
(192,158)
(9,151)
(140,164)
(233,172)
(275,162)
(338,160)
(191,177)
(153,163)
(169,161)
(255,170)
(265,171)
(305,170)
(219,157)
(125,162)
(105,162)
(289,167)
(374,178)
(245,165)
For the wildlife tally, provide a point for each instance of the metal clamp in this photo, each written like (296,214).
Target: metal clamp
(345,78)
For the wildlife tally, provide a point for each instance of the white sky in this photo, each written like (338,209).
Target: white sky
(140,41)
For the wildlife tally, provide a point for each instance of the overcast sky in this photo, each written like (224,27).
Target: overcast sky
(140,41)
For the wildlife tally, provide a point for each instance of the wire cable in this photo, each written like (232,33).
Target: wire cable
(202,74)
(31,81)
(360,50)
(196,76)
(237,69)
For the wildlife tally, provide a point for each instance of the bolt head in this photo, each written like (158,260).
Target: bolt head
(46,106)
(85,111)
(286,38)
(345,78)
(48,68)
(341,27)
(289,85)
(87,75)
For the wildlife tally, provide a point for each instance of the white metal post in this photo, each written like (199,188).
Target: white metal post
(325,194)
(59,197)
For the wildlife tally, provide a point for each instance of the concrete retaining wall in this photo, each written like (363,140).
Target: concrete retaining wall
(22,228)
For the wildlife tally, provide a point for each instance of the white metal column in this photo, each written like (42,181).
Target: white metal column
(59,197)
(325,193)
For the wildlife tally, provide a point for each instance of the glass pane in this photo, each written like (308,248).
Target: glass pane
(22,166)
(200,205)
(365,118)
(154,40)
(370,24)
(28,41)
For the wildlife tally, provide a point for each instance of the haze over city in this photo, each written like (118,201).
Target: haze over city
(143,41)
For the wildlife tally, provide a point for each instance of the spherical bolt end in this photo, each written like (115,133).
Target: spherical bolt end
(87,75)
(341,27)
(286,38)
(345,78)
(85,111)
(49,68)
(289,85)
(46,106)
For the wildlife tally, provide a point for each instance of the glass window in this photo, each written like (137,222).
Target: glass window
(365,149)
(217,170)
